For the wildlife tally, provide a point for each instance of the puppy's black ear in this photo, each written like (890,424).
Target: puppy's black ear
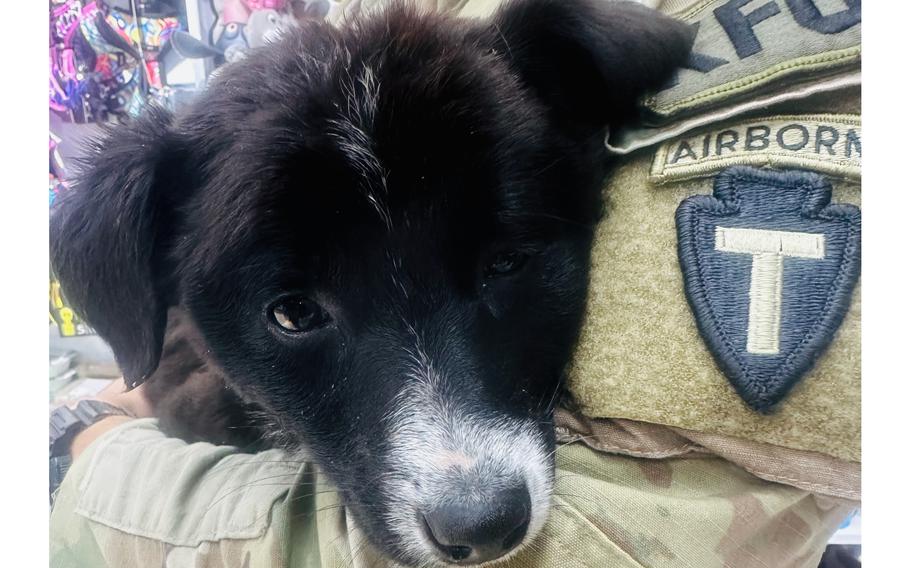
(107,235)
(590,60)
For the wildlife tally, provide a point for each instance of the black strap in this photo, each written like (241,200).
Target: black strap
(65,423)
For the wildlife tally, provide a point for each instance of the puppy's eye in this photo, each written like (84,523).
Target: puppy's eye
(297,314)
(505,263)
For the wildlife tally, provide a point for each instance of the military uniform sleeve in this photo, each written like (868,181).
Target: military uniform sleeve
(138,498)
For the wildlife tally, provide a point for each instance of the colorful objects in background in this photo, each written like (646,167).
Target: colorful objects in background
(244,24)
(102,62)
(63,315)
(155,31)
(55,170)
(55,186)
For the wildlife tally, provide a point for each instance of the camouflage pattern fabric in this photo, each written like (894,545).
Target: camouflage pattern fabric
(813,471)
(137,498)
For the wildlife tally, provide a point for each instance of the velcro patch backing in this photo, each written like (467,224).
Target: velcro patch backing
(827,143)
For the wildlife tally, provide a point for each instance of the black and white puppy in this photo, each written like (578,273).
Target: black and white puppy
(381,236)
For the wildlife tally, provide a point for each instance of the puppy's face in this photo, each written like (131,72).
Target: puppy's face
(382,235)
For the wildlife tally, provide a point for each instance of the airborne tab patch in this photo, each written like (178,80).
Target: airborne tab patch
(769,266)
(828,143)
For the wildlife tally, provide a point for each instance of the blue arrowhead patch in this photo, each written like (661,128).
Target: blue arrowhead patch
(769,267)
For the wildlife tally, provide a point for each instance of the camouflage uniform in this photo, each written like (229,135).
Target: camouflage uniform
(179,505)
(668,466)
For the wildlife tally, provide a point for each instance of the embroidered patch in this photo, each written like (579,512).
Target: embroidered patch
(769,266)
(828,143)
(742,46)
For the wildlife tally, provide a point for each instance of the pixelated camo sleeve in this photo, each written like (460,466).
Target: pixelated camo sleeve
(138,498)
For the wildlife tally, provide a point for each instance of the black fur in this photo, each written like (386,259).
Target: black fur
(195,402)
(377,170)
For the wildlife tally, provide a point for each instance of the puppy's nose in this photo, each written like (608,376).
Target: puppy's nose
(471,533)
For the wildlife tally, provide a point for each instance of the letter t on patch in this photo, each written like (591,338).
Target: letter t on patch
(768,249)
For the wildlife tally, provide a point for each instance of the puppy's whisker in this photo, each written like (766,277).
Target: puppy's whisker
(256,483)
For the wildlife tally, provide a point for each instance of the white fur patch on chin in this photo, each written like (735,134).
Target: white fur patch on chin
(432,440)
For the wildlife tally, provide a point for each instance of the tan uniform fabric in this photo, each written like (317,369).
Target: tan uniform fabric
(640,355)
